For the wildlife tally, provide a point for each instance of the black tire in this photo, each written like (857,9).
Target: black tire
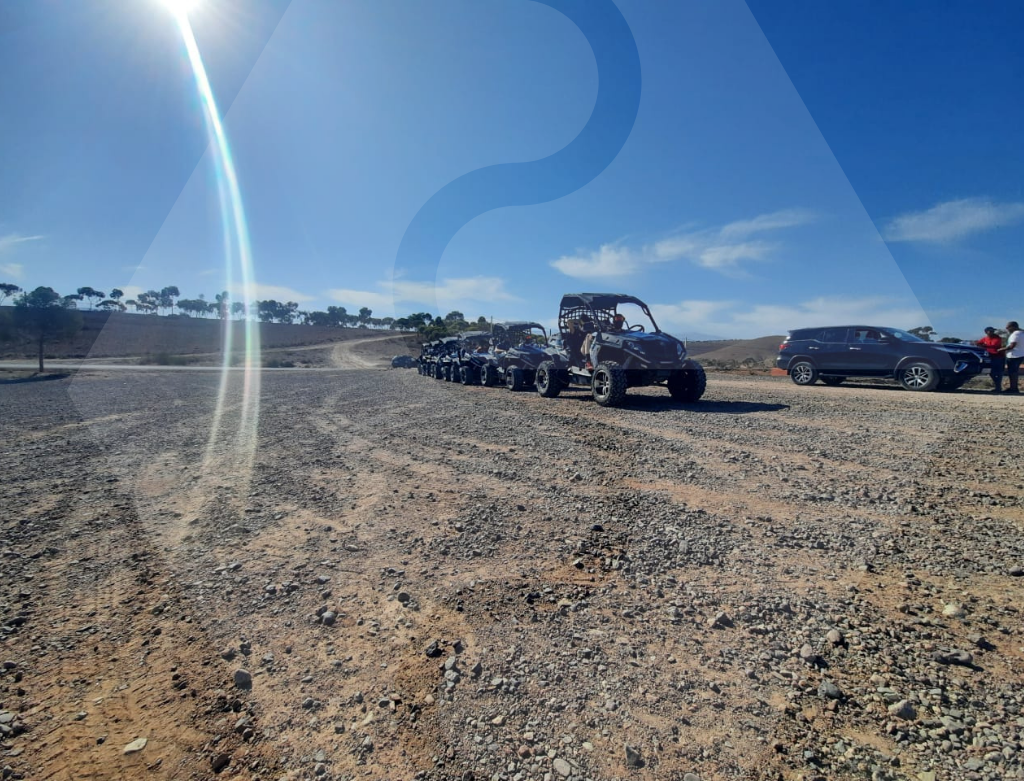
(488,376)
(803,373)
(514,379)
(549,383)
(918,376)
(833,381)
(608,384)
(442,372)
(466,375)
(688,385)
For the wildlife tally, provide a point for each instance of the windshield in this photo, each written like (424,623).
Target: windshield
(905,336)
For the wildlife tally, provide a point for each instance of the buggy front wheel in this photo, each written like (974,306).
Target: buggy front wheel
(549,384)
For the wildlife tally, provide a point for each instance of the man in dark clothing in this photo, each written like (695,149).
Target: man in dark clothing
(993,344)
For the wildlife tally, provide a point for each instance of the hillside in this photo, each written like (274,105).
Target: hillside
(761,350)
(118,335)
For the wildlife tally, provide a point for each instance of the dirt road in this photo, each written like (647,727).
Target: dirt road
(425,580)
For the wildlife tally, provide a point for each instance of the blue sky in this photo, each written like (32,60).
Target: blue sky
(790,164)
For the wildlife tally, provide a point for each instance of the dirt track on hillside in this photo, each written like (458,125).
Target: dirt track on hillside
(778,582)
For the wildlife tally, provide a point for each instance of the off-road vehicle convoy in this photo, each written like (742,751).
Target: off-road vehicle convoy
(607,342)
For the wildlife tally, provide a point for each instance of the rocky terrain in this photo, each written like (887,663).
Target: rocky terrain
(402,578)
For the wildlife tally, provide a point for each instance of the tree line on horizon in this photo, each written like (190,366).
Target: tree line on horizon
(44,314)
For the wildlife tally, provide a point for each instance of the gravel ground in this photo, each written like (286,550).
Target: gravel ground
(412,579)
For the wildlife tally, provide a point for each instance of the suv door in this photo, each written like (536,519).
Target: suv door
(832,356)
(871,351)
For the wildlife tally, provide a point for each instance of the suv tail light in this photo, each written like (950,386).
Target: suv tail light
(783,346)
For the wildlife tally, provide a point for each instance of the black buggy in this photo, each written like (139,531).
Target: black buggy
(608,346)
(448,359)
(473,353)
(517,349)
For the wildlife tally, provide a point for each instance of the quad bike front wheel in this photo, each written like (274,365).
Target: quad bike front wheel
(608,384)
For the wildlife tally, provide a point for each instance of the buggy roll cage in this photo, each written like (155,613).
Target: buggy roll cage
(594,311)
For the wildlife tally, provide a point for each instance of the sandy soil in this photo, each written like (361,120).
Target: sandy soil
(426,580)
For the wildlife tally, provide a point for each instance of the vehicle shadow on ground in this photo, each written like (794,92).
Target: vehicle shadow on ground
(657,404)
(880,386)
(36,378)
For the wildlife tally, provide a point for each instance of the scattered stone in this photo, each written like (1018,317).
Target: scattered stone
(563,768)
(633,758)
(953,610)
(219,761)
(961,658)
(834,636)
(827,690)
(903,709)
(721,620)
(135,746)
(243,679)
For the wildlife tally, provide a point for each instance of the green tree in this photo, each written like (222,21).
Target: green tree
(168,296)
(365,313)
(924,332)
(92,294)
(237,309)
(223,305)
(117,294)
(43,315)
(7,290)
(110,305)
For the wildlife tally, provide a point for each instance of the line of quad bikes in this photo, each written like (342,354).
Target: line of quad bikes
(596,347)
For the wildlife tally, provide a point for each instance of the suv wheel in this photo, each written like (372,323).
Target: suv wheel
(919,376)
(688,384)
(803,373)
(549,384)
(465,376)
(514,379)
(833,380)
(608,384)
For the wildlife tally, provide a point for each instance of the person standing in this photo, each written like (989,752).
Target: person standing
(1014,354)
(993,344)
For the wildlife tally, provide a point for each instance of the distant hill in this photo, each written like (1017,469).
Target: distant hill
(762,350)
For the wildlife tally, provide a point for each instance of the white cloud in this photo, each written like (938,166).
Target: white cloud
(446,292)
(953,220)
(360,298)
(786,218)
(256,291)
(609,261)
(131,292)
(722,249)
(732,319)
(15,270)
(11,240)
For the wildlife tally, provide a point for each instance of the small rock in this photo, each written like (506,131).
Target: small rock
(962,658)
(328,618)
(691,777)
(1016,572)
(633,758)
(722,620)
(903,710)
(953,610)
(243,679)
(219,761)
(135,746)
(829,691)
(834,636)
(563,768)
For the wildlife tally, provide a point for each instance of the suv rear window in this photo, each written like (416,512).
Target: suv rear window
(834,335)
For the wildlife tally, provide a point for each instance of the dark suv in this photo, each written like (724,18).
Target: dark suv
(835,353)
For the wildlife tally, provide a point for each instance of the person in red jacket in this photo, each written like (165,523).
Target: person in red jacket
(993,344)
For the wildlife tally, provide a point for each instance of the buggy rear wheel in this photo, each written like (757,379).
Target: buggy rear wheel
(488,376)
(608,384)
(688,385)
(514,379)
(549,383)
